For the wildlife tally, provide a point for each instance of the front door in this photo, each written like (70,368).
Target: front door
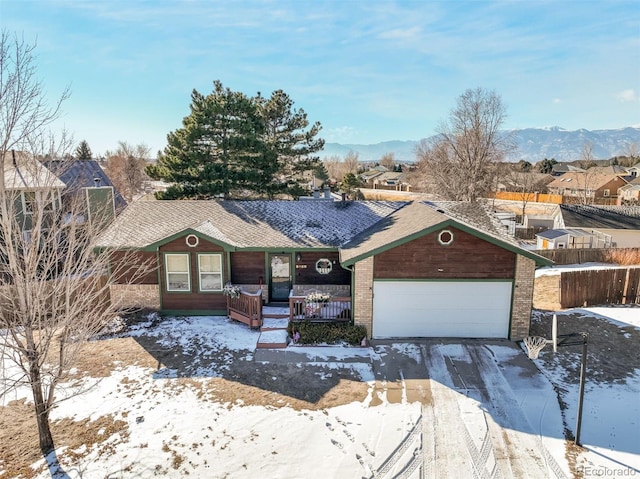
(280,270)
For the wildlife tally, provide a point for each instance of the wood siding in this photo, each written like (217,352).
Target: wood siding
(467,257)
(305,269)
(192,300)
(135,260)
(248,267)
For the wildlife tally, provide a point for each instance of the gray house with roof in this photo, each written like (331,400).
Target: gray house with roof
(400,269)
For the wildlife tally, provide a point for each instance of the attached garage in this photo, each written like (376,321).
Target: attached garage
(465,309)
(436,270)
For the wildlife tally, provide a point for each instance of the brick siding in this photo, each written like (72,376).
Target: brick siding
(363,297)
(135,295)
(522,298)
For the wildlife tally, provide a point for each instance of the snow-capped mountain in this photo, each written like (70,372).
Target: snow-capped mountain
(534,144)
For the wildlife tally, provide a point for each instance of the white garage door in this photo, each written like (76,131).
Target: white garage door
(464,309)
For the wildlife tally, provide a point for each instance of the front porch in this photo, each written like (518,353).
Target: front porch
(273,319)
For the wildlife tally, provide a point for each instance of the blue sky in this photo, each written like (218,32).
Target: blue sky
(369,71)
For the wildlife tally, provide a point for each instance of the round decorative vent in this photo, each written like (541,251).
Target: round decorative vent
(192,241)
(324,266)
(445,237)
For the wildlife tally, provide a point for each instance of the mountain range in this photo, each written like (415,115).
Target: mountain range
(534,144)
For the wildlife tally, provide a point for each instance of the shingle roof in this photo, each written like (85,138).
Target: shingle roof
(22,171)
(420,216)
(402,223)
(246,224)
(582,180)
(587,216)
(556,233)
(82,174)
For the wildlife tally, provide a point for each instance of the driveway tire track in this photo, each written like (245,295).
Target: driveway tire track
(399,451)
(520,456)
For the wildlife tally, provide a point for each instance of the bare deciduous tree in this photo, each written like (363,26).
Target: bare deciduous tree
(525,183)
(460,159)
(337,167)
(388,160)
(53,285)
(586,180)
(631,152)
(23,109)
(351,162)
(125,167)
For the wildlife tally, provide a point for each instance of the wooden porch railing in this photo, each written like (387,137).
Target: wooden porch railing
(339,308)
(246,308)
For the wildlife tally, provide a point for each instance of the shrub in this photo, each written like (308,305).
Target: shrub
(327,333)
(623,256)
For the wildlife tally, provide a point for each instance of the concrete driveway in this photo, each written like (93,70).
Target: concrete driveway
(487,412)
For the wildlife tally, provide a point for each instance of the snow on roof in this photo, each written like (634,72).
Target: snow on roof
(244,224)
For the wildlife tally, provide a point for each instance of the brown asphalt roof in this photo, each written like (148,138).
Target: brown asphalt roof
(421,216)
(358,228)
(246,224)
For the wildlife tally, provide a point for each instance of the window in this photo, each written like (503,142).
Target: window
(29,198)
(606,193)
(177,265)
(43,199)
(210,271)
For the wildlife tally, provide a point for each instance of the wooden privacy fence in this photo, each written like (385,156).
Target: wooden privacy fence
(605,286)
(590,255)
(528,197)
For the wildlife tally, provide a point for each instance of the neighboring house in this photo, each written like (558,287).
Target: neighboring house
(86,180)
(391,180)
(611,226)
(587,187)
(634,171)
(566,239)
(55,184)
(29,182)
(78,175)
(368,176)
(527,182)
(562,168)
(406,269)
(609,170)
(629,194)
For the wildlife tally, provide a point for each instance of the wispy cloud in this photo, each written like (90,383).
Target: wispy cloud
(340,134)
(628,96)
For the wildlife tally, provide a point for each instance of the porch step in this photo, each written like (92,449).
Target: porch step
(270,323)
(276,338)
(275,312)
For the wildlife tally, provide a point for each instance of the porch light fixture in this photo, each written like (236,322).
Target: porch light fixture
(445,237)
(298,257)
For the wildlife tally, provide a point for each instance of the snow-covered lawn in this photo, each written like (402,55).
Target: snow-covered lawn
(611,412)
(209,409)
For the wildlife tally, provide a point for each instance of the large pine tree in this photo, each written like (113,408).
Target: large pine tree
(234,146)
(218,152)
(286,133)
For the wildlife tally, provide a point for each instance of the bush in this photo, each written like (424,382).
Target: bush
(623,256)
(327,333)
